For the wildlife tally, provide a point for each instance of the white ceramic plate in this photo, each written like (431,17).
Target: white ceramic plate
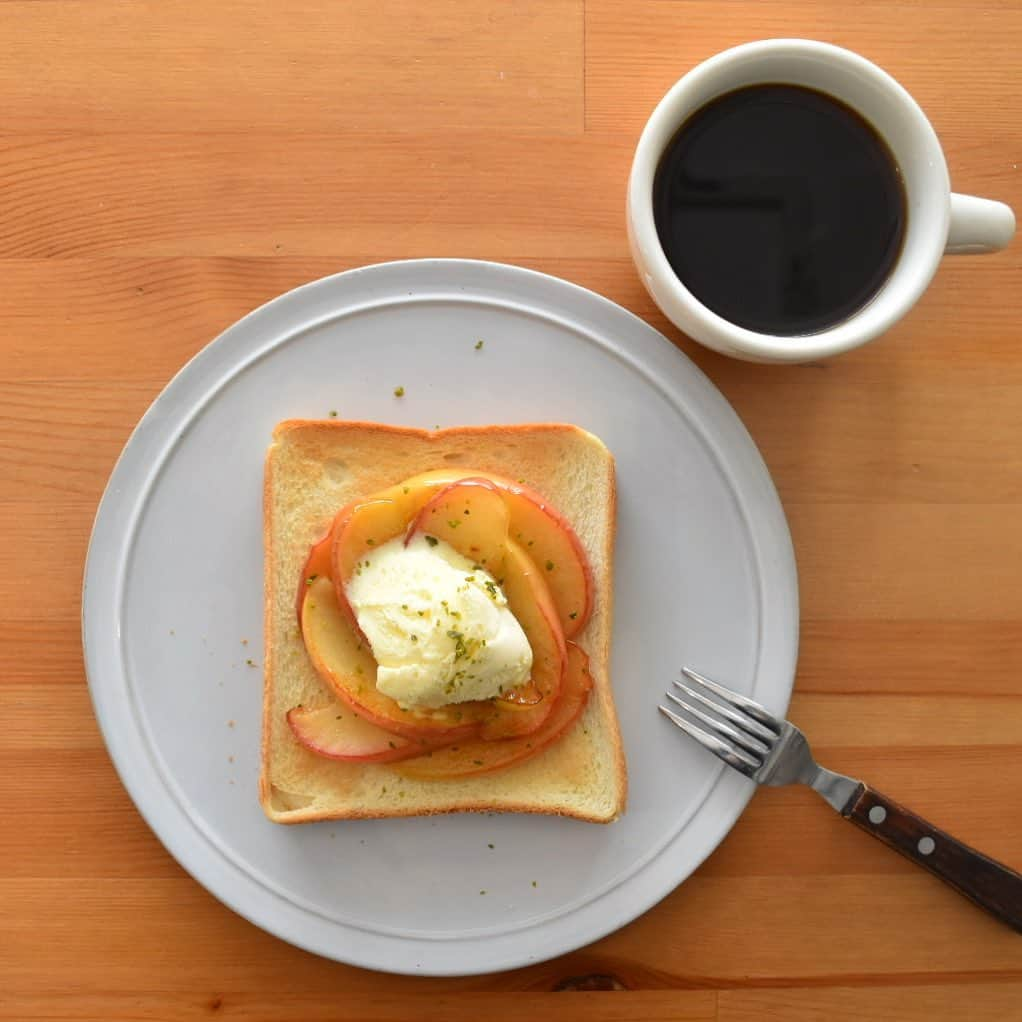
(173,605)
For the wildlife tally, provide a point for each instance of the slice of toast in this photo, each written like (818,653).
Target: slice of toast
(314,468)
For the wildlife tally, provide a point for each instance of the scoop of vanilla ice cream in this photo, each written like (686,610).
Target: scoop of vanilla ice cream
(439,626)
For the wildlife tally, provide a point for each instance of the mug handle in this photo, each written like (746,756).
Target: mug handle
(978,225)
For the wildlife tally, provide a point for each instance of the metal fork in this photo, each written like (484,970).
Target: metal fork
(771,751)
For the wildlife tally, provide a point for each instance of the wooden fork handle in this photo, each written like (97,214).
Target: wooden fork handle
(989,884)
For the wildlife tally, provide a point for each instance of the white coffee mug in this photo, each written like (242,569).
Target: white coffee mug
(938,220)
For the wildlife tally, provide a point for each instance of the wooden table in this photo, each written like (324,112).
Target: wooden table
(166,167)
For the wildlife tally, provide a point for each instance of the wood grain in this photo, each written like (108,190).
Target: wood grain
(316,67)
(276,193)
(976,1002)
(629,67)
(165,168)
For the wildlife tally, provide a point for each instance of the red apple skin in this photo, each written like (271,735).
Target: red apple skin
(319,564)
(556,600)
(482,533)
(345,664)
(363,525)
(529,600)
(468,758)
(359,528)
(471,516)
(545,534)
(337,732)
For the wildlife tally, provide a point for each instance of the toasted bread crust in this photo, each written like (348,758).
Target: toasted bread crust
(312,468)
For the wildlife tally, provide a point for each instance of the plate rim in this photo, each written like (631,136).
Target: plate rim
(216,876)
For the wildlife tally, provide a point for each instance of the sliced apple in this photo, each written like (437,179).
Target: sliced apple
(465,758)
(337,732)
(521,697)
(545,534)
(435,503)
(543,531)
(529,600)
(345,663)
(360,527)
(319,564)
(472,517)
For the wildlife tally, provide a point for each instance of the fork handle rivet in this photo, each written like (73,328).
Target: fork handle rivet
(991,885)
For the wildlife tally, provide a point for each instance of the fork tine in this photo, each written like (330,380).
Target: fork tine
(745,741)
(730,755)
(753,727)
(750,706)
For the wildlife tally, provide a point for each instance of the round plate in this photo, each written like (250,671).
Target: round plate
(705,576)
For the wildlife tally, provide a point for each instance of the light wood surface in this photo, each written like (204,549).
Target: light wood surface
(166,167)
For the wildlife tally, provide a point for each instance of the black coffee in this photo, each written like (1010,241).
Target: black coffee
(779,208)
